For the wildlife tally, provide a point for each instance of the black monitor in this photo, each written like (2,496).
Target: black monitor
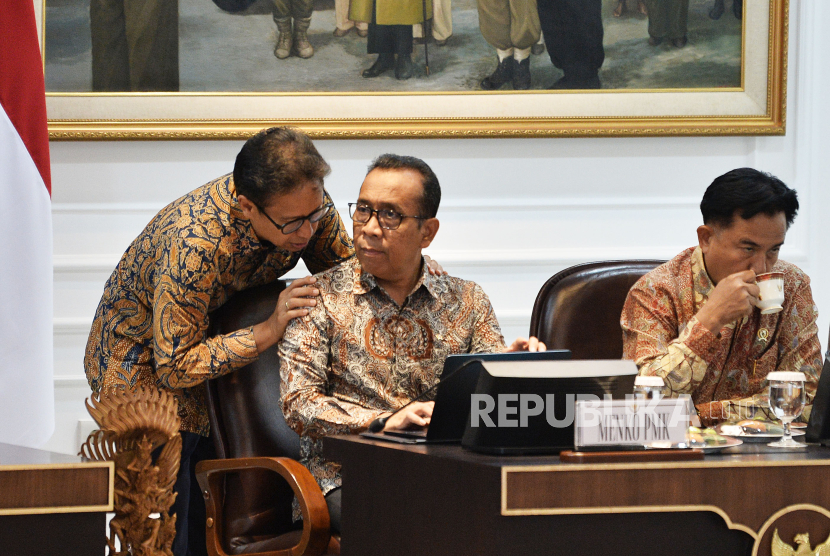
(503,420)
(818,428)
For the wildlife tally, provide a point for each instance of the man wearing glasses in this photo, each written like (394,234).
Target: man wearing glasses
(233,233)
(384,325)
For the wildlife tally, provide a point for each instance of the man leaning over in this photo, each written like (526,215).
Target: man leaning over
(693,320)
(383,327)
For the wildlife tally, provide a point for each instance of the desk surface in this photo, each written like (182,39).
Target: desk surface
(36,482)
(53,503)
(745,454)
(465,502)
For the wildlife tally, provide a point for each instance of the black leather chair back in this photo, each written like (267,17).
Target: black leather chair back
(579,308)
(246,421)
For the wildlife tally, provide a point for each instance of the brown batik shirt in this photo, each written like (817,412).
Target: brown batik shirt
(359,354)
(725,373)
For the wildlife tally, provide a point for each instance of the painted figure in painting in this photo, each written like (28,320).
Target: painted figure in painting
(512,28)
(573,36)
(135,45)
(390,32)
(622,8)
(293,39)
(668,20)
(719,7)
(440,26)
(343,25)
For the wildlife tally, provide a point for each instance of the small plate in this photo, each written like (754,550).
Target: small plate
(761,437)
(730,442)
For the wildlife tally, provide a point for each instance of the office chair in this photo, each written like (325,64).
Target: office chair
(579,308)
(250,487)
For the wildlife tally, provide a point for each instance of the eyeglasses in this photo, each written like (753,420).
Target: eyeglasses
(387,218)
(296,224)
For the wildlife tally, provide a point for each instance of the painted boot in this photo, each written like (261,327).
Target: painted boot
(502,75)
(302,47)
(283,48)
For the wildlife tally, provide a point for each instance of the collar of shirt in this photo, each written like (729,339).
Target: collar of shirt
(365,282)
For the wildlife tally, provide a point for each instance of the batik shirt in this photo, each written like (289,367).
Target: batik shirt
(152,322)
(725,373)
(359,354)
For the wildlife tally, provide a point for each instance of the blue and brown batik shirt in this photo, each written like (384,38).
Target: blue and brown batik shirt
(151,326)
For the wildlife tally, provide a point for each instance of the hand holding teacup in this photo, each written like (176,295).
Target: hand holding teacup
(737,296)
(771,298)
(733,298)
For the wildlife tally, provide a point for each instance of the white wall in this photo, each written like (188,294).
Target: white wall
(514,211)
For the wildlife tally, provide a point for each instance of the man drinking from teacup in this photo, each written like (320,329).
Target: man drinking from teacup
(695,321)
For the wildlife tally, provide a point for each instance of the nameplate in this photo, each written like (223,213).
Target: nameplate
(632,422)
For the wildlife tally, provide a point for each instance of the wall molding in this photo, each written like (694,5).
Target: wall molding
(485,204)
(514,318)
(107,208)
(71,326)
(85,263)
(565,203)
(69,381)
(463,258)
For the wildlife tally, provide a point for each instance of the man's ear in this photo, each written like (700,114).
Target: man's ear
(429,228)
(704,237)
(246,205)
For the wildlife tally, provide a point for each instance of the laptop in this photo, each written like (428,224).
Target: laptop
(457,383)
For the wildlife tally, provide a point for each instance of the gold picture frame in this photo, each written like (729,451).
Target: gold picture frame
(757,107)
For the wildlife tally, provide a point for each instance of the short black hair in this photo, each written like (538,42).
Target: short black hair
(746,192)
(276,161)
(431,197)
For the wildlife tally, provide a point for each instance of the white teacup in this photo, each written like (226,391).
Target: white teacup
(771,298)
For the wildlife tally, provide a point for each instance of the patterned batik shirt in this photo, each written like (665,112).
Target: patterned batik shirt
(359,354)
(152,322)
(725,373)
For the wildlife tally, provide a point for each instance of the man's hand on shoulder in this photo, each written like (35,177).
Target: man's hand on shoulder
(530,344)
(433,267)
(733,298)
(293,302)
(414,415)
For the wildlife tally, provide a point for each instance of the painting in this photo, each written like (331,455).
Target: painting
(218,69)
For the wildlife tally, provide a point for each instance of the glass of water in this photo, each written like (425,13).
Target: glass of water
(786,400)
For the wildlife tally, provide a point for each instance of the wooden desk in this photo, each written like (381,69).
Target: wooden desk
(442,499)
(53,503)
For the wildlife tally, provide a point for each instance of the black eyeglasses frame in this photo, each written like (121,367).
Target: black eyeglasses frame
(298,222)
(377,213)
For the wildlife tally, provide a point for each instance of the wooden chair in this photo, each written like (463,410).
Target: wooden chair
(250,487)
(579,308)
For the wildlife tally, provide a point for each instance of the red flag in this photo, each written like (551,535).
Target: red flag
(27,403)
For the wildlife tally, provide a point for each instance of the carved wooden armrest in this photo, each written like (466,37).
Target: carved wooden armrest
(316,532)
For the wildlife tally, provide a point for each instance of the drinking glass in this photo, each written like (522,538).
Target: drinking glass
(786,400)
